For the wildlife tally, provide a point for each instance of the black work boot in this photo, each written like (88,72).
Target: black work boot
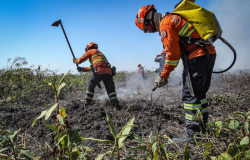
(186,138)
(87,102)
(116,106)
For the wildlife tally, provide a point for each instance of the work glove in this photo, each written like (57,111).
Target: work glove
(79,69)
(74,60)
(161,81)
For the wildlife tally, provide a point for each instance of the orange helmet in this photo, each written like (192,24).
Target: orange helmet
(147,25)
(139,65)
(91,44)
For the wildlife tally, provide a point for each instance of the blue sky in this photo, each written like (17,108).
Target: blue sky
(26,31)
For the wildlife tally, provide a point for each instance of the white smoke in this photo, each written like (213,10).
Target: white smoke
(233,16)
(133,89)
(136,87)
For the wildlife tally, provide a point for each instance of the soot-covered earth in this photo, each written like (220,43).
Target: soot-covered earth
(155,112)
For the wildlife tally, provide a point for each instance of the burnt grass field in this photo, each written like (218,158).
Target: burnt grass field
(25,93)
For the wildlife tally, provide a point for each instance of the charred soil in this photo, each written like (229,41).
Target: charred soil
(162,113)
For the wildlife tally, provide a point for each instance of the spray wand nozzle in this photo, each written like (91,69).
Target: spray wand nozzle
(155,87)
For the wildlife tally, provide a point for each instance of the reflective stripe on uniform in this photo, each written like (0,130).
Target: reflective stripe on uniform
(204,110)
(88,92)
(190,32)
(172,63)
(98,55)
(204,101)
(111,98)
(112,93)
(190,117)
(184,29)
(95,56)
(89,97)
(192,106)
(97,60)
(78,61)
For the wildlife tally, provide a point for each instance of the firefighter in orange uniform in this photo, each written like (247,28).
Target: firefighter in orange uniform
(103,71)
(200,63)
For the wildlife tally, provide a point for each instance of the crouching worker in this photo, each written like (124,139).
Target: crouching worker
(103,73)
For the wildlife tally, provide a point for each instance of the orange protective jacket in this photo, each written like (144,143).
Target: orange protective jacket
(171,27)
(97,59)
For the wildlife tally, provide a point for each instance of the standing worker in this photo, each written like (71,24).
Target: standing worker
(200,60)
(140,72)
(103,73)
(161,60)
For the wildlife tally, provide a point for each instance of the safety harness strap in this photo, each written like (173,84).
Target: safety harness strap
(199,42)
(184,37)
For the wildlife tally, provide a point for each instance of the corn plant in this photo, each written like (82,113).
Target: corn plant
(119,138)
(57,91)
(67,141)
(8,145)
(154,149)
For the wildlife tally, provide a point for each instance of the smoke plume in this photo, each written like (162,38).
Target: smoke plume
(233,16)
